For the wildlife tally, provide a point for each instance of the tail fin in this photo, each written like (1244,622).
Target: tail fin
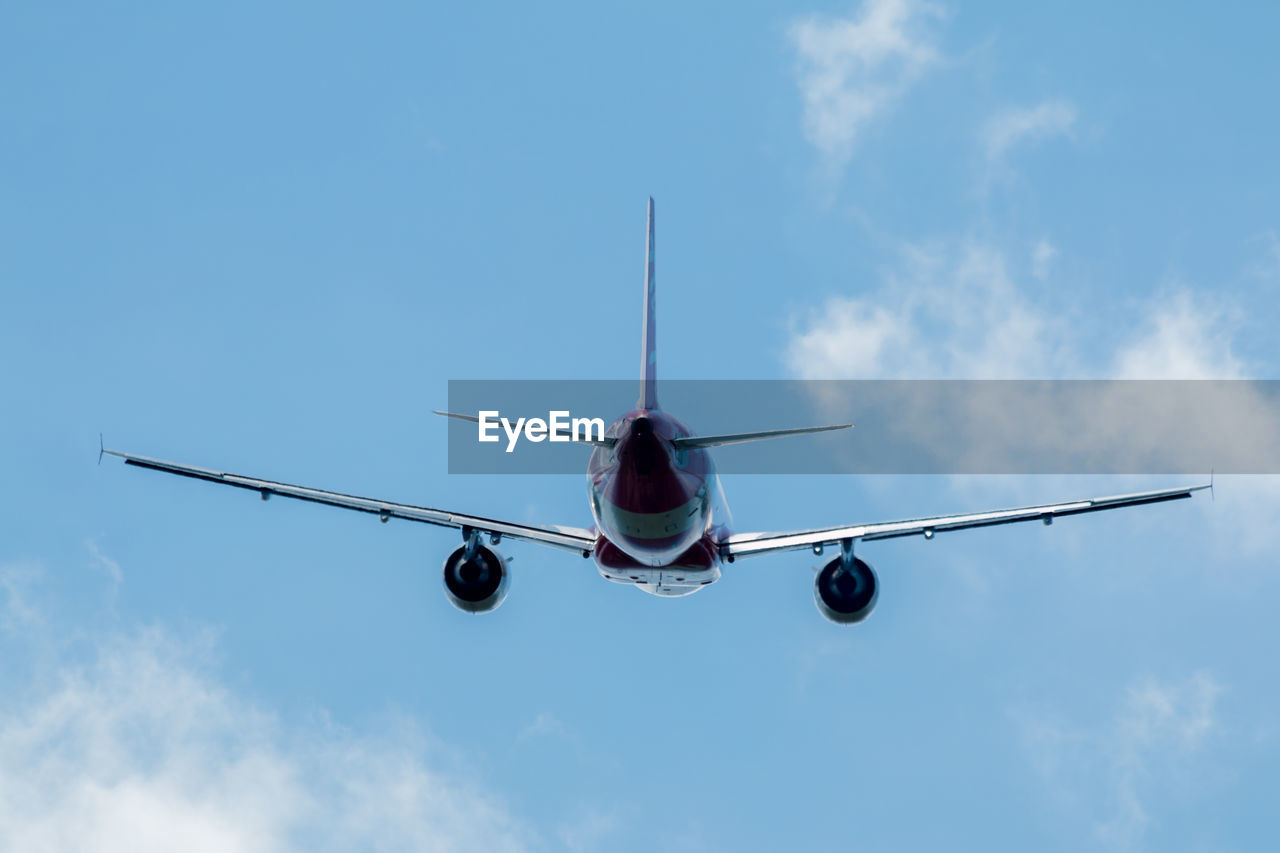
(649,350)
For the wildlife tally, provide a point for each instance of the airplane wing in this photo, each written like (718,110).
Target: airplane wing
(750,544)
(576,539)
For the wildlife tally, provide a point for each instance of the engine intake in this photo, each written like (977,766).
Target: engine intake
(479,584)
(846,596)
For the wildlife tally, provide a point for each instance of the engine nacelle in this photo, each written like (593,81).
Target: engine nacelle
(477,585)
(846,596)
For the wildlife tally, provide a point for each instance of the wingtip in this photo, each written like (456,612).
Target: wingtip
(1202,487)
(102,451)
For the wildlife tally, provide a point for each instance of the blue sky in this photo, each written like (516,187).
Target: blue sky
(264,239)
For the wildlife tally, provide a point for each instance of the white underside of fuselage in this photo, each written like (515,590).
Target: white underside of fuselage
(665,581)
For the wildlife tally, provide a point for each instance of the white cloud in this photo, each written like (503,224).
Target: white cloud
(948,312)
(1178,715)
(17,614)
(143,749)
(849,337)
(1114,774)
(587,832)
(544,724)
(1043,254)
(105,563)
(1185,338)
(1268,266)
(852,69)
(958,311)
(1030,124)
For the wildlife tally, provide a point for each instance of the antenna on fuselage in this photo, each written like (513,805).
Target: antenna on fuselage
(649,350)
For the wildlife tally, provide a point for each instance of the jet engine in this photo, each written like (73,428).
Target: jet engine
(477,584)
(846,595)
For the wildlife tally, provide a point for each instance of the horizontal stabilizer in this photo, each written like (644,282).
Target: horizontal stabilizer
(700,441)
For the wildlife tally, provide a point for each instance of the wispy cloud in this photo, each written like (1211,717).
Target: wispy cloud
(1185,338)
(963,311)
(17,613)
(545,724)
(1113,774)
(960,310)
(105,563)
(945,311)
(1043,254)
(587,832)
(1267,266)
(852,69)
(1026,125)
(142,748)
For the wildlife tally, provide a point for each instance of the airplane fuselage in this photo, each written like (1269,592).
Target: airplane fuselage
(659,511)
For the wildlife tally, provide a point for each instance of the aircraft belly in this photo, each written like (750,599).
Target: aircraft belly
(697,567)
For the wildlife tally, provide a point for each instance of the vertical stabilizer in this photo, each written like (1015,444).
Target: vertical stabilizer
(649,350)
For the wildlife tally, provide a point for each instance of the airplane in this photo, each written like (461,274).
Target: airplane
(659,513)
